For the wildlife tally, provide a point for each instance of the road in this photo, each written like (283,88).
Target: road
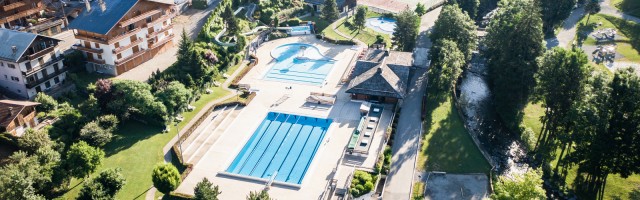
(407,138)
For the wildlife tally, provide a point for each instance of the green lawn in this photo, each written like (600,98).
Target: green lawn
(616,188)
(137,148)
(321,24)
(365,35)
(631,7)
(628,44)
(447,146)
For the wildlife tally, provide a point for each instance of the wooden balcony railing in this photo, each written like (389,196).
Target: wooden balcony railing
(161,42)
(131,57)
(46,77)
(124,35)
(160,19)
(92,39)
(87,49)
(13,6)
(22,14)
(35,55)
(155,33)
(122,48)
(52,61)
(139,17)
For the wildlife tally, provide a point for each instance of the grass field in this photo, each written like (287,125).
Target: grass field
(616,188)
(447,146)
(631,7)
(137,148)
(365,35)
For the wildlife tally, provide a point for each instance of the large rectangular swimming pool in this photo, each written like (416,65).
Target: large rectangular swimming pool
(282,143)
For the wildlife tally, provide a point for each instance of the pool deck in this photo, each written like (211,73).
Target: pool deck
(273,96)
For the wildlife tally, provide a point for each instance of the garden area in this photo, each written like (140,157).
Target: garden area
(622,36)
(446,145)
(362,183)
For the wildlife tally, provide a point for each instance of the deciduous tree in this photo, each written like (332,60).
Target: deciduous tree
(175,96)
(514,42)
(406,31)
(447,63)
(469,6)
(83,159)
(554,12)
(455,25)
(47,103)
(525,186)
(420,9)
(104,186)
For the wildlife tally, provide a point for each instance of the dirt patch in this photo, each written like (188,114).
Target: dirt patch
(457,186)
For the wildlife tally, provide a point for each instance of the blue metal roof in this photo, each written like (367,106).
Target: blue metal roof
(10,38)
(99,21)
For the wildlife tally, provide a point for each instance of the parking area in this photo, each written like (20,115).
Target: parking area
(456,186)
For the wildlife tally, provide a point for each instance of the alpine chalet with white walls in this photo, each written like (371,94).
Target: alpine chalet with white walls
(118,35)
(29,64)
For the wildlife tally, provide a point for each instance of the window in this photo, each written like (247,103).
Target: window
(6,77)
(31,79)
(28,65)
(116,45)
(56,80)
(119,56)
(38,89)
(96,45)
(47,84)
(11,66)
(56,67)
(16,79)
(149,19)
(41,60)
(1,64)
(131,27)
(44,72)
(164,23)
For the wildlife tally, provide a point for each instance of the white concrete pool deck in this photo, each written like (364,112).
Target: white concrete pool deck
(345,115)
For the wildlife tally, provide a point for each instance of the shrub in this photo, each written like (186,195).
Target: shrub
(293,22)
(166,177)
(361,183)
(47,103)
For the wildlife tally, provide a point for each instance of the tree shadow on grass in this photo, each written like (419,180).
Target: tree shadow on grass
(450,149)
(128,134)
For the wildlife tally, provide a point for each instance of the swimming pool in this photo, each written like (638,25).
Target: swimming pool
(299,63)
(283,144)
(382,24)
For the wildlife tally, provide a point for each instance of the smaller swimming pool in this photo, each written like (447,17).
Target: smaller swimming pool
(300,30)
(382,24)
(299,63)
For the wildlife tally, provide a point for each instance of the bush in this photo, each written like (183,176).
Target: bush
(361,183)
(166,177)
(293,22)
(47,103)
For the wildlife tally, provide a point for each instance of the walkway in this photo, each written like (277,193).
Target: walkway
(409,130)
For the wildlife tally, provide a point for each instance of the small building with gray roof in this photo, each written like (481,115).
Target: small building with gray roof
(381,76)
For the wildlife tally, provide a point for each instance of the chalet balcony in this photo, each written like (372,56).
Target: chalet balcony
(124,35)
(13,6)
(131,57)
(22,14)
(160,19)
(91,39)
(96,61)
(161,42)
(43,66)
(40,53)
(139,17)
(87,49)
(154,34)
(32,84)
(122,48)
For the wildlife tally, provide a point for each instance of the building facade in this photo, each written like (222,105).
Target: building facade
(116,36)
(29,63)
(30,16)
(17,116)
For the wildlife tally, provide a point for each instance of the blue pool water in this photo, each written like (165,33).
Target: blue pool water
(284,143)
(299,63)
(382,24)
(300,28)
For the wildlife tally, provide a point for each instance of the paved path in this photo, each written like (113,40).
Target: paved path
(569,26)
(407,138)
(191,21)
